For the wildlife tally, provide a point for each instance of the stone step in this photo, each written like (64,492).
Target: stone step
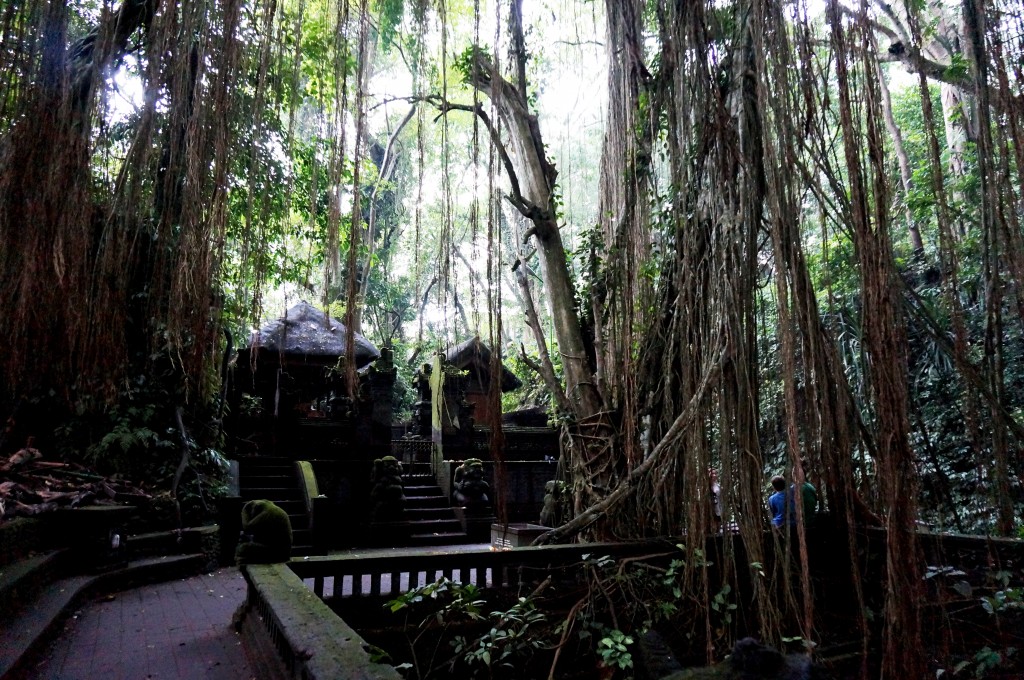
(275,480)
(27,629)
(22,580)
(261,470)
(284,493)
(188,541)
(444,513)
(37,619)
(418,526)
(261,461)
(299,522)
(302,543)
(291,507)
(437,538)
(423,490)
(285,471)
(418,502)
(154,570)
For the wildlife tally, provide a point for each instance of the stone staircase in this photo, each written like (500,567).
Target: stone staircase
(276,480)
(40,589)
(431,519)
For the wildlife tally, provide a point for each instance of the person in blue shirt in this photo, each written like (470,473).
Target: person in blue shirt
(779,504)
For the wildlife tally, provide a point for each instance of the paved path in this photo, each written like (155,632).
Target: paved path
(174,630)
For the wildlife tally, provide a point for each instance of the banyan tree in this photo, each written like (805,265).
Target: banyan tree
(778,276)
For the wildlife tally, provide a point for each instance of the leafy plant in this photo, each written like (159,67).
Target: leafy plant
(439,605)
(1004,600)
(513,637)
(984,662)
(455,597)
(720,603)
(613,649)
(467,60)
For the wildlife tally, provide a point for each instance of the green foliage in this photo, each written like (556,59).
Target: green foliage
(958,67)
(389,15)
(984,662)
(802,644)
(533,391)
(1004,600)
(468,60)
(136,436)
(513,637)
(957,485)
(378,655)
(720,603)
(129,434)
(615,603)
(1005,604)
(452,596)
(613,649)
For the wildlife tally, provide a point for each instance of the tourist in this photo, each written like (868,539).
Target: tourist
(809,499)
(779,503)
(808,495)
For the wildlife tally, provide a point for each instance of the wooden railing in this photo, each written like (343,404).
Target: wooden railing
(368,575)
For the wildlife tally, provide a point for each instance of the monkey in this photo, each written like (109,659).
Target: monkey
(266,534)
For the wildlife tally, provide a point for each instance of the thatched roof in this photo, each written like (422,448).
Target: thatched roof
(474,356)
(306,331)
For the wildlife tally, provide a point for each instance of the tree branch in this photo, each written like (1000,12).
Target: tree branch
(522,204)
(526,207)
(546,369)
(903,51)
(387,167)
(95,53)
(887,10)
(915,62)
(514,105)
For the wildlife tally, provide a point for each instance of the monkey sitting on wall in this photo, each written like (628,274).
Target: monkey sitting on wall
(266,534)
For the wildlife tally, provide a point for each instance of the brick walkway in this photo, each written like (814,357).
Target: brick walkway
(179,629)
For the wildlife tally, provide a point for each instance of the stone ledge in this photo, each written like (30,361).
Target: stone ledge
(312,641)
(21,537)
(23,579)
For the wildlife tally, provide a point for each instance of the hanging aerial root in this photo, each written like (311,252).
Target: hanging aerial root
(667,444)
